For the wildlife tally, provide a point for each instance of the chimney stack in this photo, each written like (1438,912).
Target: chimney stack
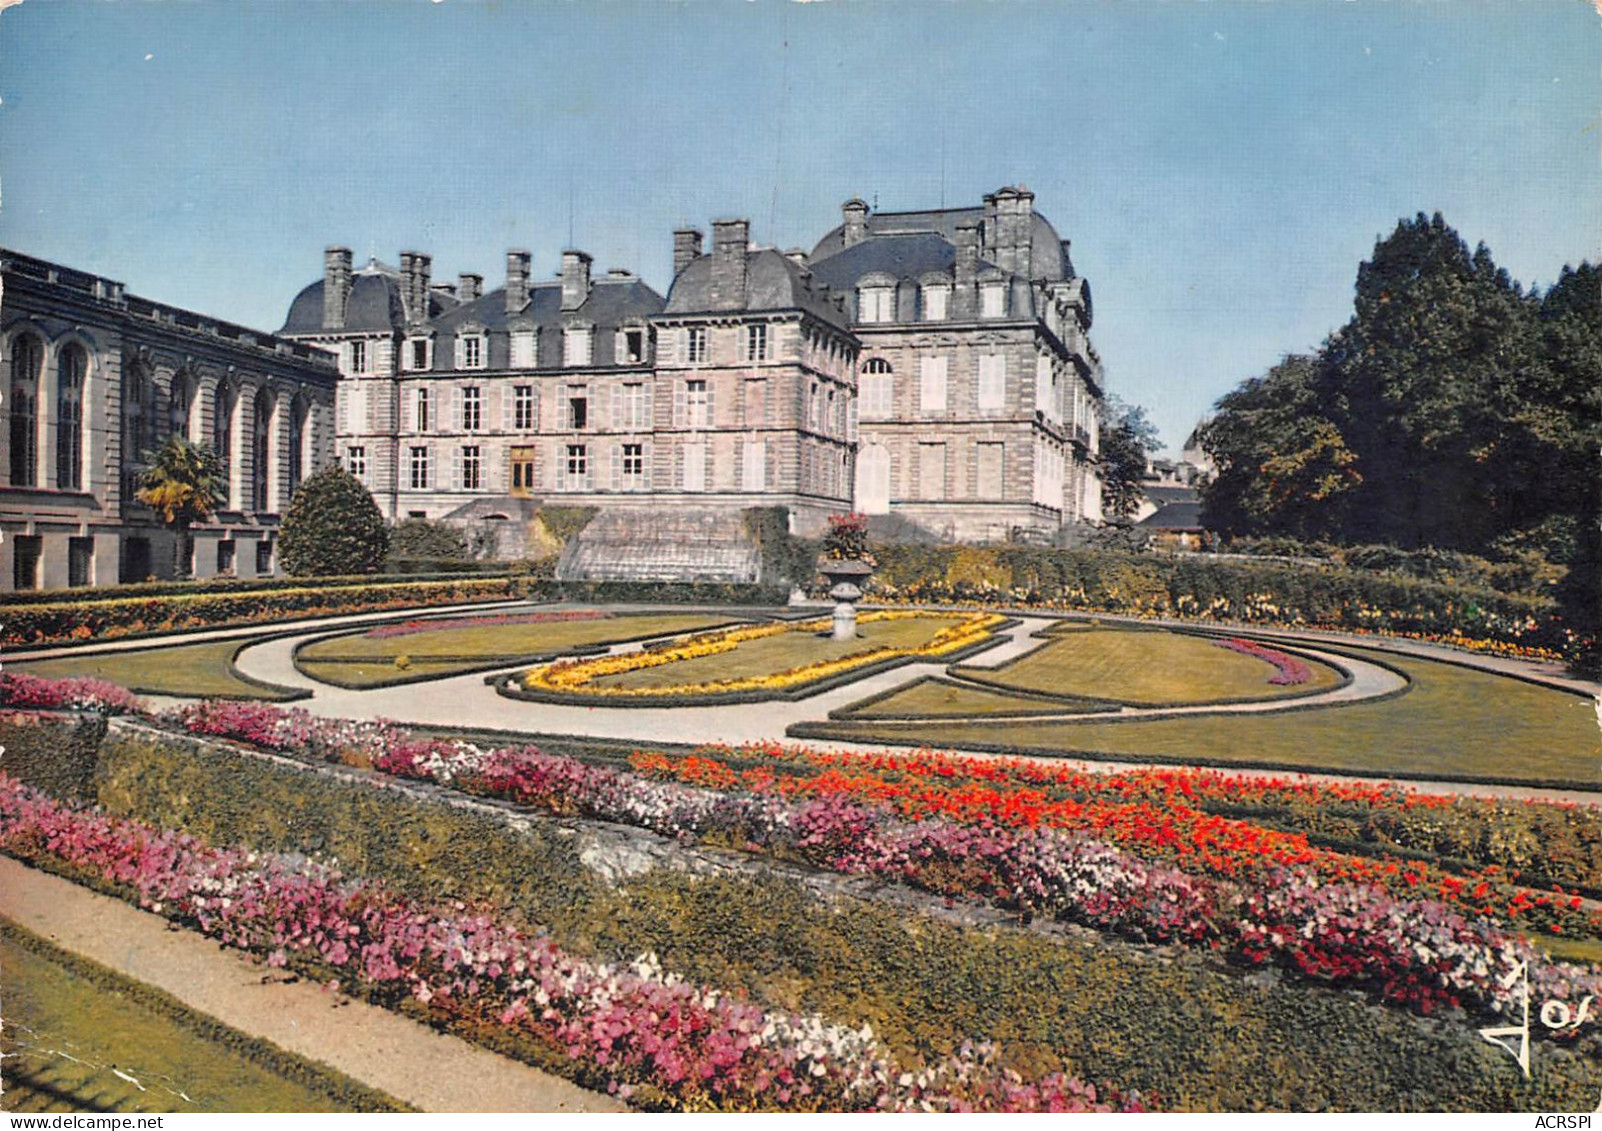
(854,217)
(730,240)
(336,287)
(965,295)
(415,268)
(518,267)
(469,286)
(1013,235)
(575,279)
(686,249)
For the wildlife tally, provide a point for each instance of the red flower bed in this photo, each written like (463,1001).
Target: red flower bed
(1292,671)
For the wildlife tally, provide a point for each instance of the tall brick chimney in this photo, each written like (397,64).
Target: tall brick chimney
(854,220)
(575,279)
(469,286)
(336,287)
(686,249)
(415,268)
(965,294)
(1013,235)
(518,266)
(730,239)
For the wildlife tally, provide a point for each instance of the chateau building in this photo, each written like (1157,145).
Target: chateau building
(95,379)
(932,366)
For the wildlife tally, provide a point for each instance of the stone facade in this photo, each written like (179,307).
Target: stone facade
(933,366)
(94,379)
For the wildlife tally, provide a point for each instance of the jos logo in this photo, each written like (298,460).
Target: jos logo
(1555,1016)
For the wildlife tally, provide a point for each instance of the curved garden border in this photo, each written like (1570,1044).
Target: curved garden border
(504,685)
(489,663)
(1047,700)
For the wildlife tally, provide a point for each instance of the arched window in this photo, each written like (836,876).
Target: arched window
(223,436)
(72,373)
(873,480)
(138,394)
(877,392)
(27,361)
(261,446)
(179,404)
(299,415)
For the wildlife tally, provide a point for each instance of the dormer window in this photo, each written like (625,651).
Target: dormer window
(576,345)
(631,347)
(419,354)
(470,352)
(993,299)
(936,301)
(521,344)
(357,355)
(876,303)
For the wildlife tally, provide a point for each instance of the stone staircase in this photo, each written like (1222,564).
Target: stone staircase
(677,544)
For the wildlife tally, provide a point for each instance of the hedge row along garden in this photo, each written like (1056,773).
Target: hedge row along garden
(1324,596)
(1144,888)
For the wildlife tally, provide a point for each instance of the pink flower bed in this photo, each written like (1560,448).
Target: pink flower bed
(1292,670)
(638,1027)
(412,627)
(26,691)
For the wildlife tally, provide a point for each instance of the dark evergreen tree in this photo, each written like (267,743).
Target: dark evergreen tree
(332,527)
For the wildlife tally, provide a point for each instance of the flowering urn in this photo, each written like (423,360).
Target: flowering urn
(846,576)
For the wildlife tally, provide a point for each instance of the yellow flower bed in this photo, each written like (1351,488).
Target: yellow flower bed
(569,676)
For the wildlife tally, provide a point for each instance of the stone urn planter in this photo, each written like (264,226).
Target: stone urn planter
(846,577)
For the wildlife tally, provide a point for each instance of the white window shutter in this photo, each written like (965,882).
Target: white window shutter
(456,469)
(711,405)
(456,409)
(342,400)
(508,407)
(650,415)
(617,467)
(461,352)
(384,357)
(680,389)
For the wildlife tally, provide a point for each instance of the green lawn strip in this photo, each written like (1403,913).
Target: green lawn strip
(1454,723)
(356,660)
(936,697)
(59,1002)
(1203,1035)
(1146,668)
(770,655)
(193,670)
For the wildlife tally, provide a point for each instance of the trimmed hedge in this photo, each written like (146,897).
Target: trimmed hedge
(115,617)
(1198,1035)
(1255,592)
(658,592)
(221,586)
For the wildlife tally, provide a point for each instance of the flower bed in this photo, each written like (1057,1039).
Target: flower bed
(1030,867)
(26,691)
(114,617)
(578,677)
(1292,671)
(648,1034)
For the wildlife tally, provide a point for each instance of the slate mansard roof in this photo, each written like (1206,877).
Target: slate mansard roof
(773,282)
(375,305)
(1049,260)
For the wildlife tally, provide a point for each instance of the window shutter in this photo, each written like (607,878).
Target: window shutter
(679,393)
(711,405)
(508,408)
(456,409)
(343,401)
(559,475)
(461,352)
(456,469)
(384,357)
(650,415)
(617,467)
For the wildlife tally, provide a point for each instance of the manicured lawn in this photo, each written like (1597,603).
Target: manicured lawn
(1453,723)
(943,699)
(1146,668)
(771,654)
(75,1033)
(367,659)
(182,669)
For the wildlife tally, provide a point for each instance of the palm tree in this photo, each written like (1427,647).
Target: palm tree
(185,483)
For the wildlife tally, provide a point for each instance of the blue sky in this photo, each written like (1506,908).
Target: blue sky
(1221,168)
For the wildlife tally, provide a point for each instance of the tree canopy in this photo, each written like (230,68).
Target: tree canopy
(332,527)
(1127,440)
(184,484)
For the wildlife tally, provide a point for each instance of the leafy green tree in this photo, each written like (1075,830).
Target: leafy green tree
(1127,441)
(333,527)
(1283,467)
(184,483)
